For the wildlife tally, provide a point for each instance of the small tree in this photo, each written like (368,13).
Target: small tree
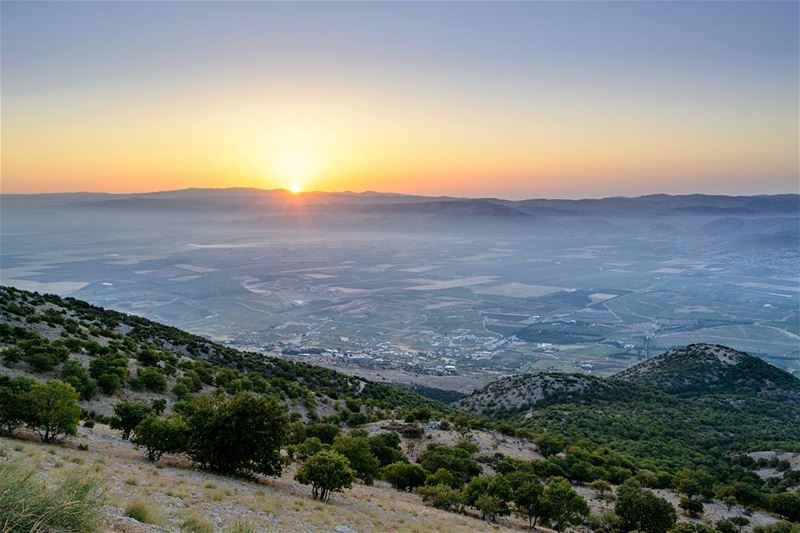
(128,415)
(359,452)
(404,476)
(562,504)
(326,471)
(601,487)
(13,402)
(787,505)
(640,509)
(527,491)
(160,435)
(158,406)
(74,373)
(53,409)
(691,507)
(490,506)
(309,447)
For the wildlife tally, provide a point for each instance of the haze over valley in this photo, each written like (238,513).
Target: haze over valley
(448,292)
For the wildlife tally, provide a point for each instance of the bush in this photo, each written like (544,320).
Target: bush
(404,476)
(151,379)
(455,460)
(240,435)
(52,409)
(27,505)
(440,496)
(326,472)
(161,435)
(74,373)
(128,415)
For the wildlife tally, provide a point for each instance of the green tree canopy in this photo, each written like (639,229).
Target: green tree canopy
(326,471)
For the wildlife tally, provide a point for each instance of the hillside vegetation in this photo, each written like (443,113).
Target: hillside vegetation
(558,450)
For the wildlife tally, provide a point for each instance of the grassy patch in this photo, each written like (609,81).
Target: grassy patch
(197,524)
(143,511)
(26,504)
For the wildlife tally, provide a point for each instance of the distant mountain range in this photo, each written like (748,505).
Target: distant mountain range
(251,198)
(764,221)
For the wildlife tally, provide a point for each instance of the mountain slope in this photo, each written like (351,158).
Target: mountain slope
(709,368)
(32,323)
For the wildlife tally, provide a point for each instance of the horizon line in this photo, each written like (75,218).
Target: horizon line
(373,192)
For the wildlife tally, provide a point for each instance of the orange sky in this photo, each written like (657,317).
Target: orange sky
(128,123)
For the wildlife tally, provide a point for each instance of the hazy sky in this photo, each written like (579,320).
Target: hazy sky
(476,99)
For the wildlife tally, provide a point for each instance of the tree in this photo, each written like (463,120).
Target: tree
(442,476)
(490,506)
(693,483)
(327,433)
(110,371)
(240,435)
(600,487)
(158,406)
(13,402)
(161,435)
(74,373)
(550,444)
(691,506)
(404,476)
(528,500)
(359,452)
(456,460)
(563,506)
(53,409)
(326,471)
(128,415)
(580,471)
(642,510)
(787,505)
(386,447)
(309,447)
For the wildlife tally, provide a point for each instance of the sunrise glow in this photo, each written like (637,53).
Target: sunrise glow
(467,103)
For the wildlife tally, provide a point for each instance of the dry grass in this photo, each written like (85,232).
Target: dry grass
(178,497)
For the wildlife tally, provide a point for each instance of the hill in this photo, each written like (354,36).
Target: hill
(700,369)
(528,391)
(39,327)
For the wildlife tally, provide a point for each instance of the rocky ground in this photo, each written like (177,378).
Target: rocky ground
(180,496)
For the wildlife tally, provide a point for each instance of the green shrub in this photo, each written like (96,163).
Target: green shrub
(128,415)
(161,435)
(27,505)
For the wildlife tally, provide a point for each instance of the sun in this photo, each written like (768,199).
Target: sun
(294,168)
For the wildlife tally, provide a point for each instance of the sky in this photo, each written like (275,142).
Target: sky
(513,100)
